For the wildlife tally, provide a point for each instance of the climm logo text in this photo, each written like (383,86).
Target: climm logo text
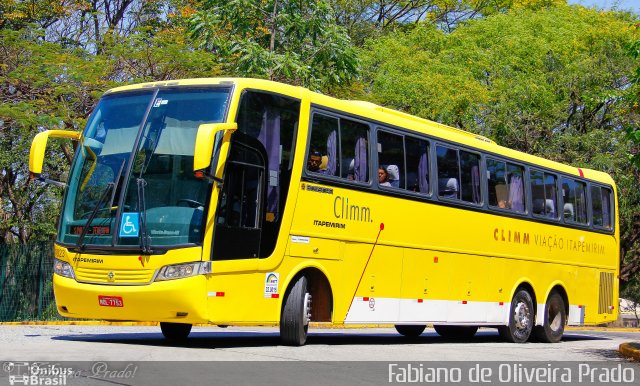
(343,210)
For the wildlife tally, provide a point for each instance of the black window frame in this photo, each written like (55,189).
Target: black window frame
(587,204)
(337,178)
(404,135)
(612,207)
(435,172)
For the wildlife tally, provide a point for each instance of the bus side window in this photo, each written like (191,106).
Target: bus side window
(354,150)
(417,165)
(324,132)
(515,183)
(574,196)
(448,172)
(543,194)
(601,206)
(458,174)
(506,187)
(607,208)
(391,157)
(470,176)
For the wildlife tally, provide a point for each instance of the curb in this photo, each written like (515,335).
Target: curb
(325,325)
(630,350)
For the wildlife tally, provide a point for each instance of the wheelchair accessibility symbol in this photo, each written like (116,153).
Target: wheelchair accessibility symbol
(129,226)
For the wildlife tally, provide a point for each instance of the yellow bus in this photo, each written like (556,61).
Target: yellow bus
(250,202)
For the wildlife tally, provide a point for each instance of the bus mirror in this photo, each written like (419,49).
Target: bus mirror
(205,139)
(39,145)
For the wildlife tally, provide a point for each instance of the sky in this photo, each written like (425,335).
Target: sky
(633,5)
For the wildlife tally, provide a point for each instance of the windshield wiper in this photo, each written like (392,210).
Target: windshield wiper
(145,243)
(101,201)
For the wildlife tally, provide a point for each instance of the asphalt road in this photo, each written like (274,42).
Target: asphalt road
(331,356)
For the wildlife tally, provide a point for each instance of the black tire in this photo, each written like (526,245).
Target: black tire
(410,331)
(296,314)
(175,331)
(521,318)
(555,317)
(456,332)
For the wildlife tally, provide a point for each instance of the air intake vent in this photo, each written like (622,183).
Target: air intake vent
(605,302)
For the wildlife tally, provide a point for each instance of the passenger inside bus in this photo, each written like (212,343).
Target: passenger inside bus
(314,161)
(383,177)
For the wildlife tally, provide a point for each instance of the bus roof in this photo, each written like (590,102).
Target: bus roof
(383,115)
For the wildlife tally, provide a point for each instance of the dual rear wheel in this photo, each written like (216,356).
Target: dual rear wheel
(522,317)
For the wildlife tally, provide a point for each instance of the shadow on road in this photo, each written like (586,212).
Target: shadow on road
(230,339)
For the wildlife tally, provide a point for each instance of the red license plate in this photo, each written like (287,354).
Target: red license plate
(110,301)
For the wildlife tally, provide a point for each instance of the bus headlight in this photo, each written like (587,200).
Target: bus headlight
(179,271)
(62,268)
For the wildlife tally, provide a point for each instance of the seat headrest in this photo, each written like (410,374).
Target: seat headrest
(394,172)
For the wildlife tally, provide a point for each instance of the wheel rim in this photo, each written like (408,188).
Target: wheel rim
(554,317)
(306,309)
(522,317)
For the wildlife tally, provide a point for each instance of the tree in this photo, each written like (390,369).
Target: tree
(42,87)
(297,42)
(47,86)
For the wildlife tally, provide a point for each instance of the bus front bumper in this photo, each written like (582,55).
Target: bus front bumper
(177,301)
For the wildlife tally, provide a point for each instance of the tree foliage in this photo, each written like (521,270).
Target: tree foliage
(55,85)
(299,42)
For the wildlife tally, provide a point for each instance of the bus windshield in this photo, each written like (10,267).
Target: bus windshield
(132,181)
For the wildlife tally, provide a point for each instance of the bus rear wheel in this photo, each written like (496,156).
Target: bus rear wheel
(520,318)
(175,331)
(456,332)
(296,314)
(410,331)
(555,317)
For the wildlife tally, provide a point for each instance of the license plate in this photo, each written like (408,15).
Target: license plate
(110,301)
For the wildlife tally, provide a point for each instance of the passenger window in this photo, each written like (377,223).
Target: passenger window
(506,188)
(607,208)
(417,165)
(354,150)
(543,194)
(470,176)
(323,152)
(339,148)
(405,161)
(601,206)
(574,197)
(458,174)
(448,172)
(391,159)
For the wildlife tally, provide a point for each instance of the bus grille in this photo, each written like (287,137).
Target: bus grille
(606,293)
(114,276)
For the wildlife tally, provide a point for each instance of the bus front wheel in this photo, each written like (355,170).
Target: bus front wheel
(555,317)
(296,314)
(175,331)
(410,331)
(521,316)
(456,332)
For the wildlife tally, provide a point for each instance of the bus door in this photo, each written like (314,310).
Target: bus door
(233,293)
(238,219)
